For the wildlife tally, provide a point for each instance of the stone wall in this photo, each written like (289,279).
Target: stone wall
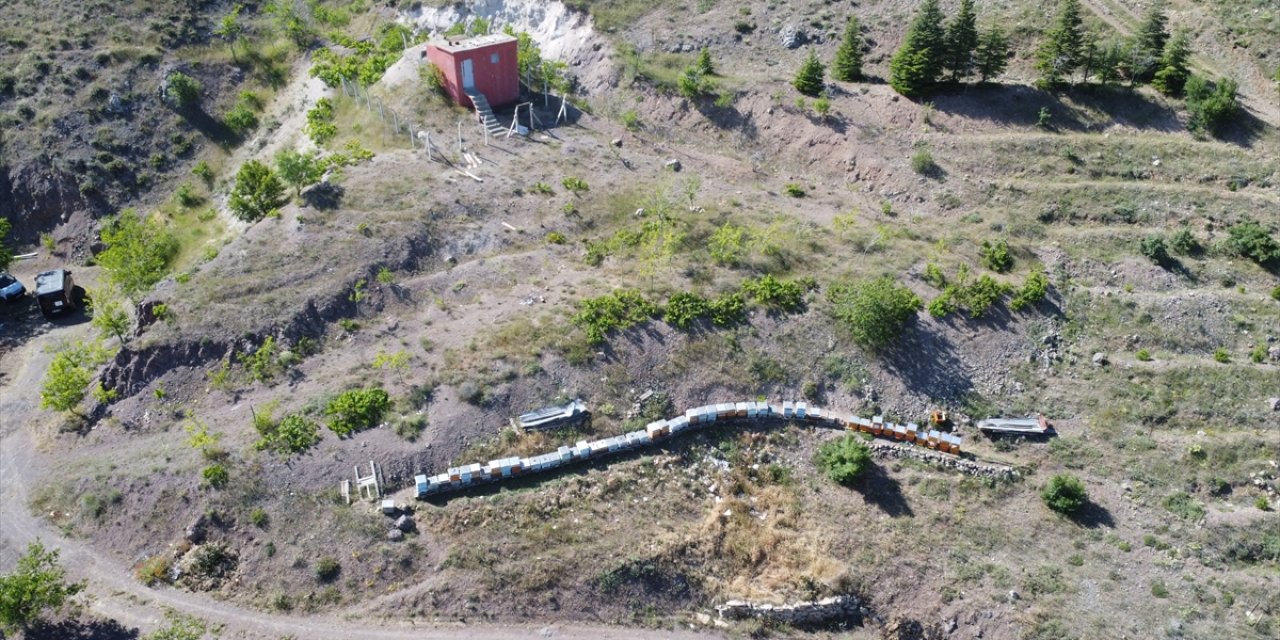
(883,449)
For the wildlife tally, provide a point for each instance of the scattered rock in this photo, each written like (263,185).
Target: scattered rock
(404,523)
(1013,596)
(1099,359)
(617,142)
(395,535)
(791,37)
(673,165)
(195,531)
(1274,403)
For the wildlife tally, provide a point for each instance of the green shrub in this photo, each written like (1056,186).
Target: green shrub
(241,119)
(631,120)
(727,309)
(182,90)
(259,518)
(1033,290)
(1262,503)
(320,125)
(262,364)
(575,185)
(776,294)
(555,237)
(981,295)
(844,459)
(1184,506)
(621,309)
(1212,106)
(1259,353)
(542,189)
(1158,589)
(995,255)
(1143,355)
(875,311)
(943,305)
(1064,494)
(216,476)
(794,189)
(410,427)
(683,309)
(356,410)
(1248,239)
(934,276)
(187,195)
(1184,243)
(922,162)
(1153,247)
(1221,355)
(138,251)
(258,192)
(728,244)
(291,435)
(327,569)
(1275,293)
(153,570)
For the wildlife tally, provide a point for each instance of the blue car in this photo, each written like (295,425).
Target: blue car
(10,288)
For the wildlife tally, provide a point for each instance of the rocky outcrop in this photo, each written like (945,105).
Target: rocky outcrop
(809,613)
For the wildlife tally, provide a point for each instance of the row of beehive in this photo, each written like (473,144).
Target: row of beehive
(696,418)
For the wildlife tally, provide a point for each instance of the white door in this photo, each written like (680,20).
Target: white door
(468,75)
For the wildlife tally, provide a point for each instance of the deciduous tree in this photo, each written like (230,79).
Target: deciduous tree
(258,192)
(37,585)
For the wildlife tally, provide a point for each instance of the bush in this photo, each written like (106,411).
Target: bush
(1143,355)
(1212,106)
(776,294)
(555,237)
(1064,494)
(320,125)
(794,189)
(922,162)
(981,295)
(1184,243)
(1033,290)
(241,119)
(1153,247)
(683,309)
(1251,240)
(153,570)
(844,459)
(291,435)
(1275,293)
(216,476)
(619,310)
(327,569)
(258,192)
(727,309)
(138,251)
(1221,355)
(1184,506)
(874,311)
(356,410)
(182,91)
(575,184)
(259,518)
(995,255)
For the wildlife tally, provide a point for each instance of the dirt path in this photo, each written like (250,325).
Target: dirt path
(114,593)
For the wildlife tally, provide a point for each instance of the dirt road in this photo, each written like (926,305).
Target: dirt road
(114,593)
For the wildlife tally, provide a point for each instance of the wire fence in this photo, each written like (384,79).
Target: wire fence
(400,128)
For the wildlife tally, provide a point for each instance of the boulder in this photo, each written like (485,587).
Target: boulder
(673,165)
(1274,403)
(395,535)
(404,523)
(1099,359)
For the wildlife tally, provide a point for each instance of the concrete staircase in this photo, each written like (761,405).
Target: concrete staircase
(485,112)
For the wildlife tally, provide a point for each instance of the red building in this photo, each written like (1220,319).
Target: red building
(484,64)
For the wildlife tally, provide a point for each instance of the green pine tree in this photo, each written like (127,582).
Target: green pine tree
(704,64)
(962,41)
(992,56)
(919,61)
(1063,47)
(809,79)
(1151,38)
(848,63)
(1173,73)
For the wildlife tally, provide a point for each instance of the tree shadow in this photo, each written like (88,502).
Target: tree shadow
(1244,129)
(77,629)
(728,117)
(927,364)
(1092,515)
(210,127)
(878,489)
(1021,105)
